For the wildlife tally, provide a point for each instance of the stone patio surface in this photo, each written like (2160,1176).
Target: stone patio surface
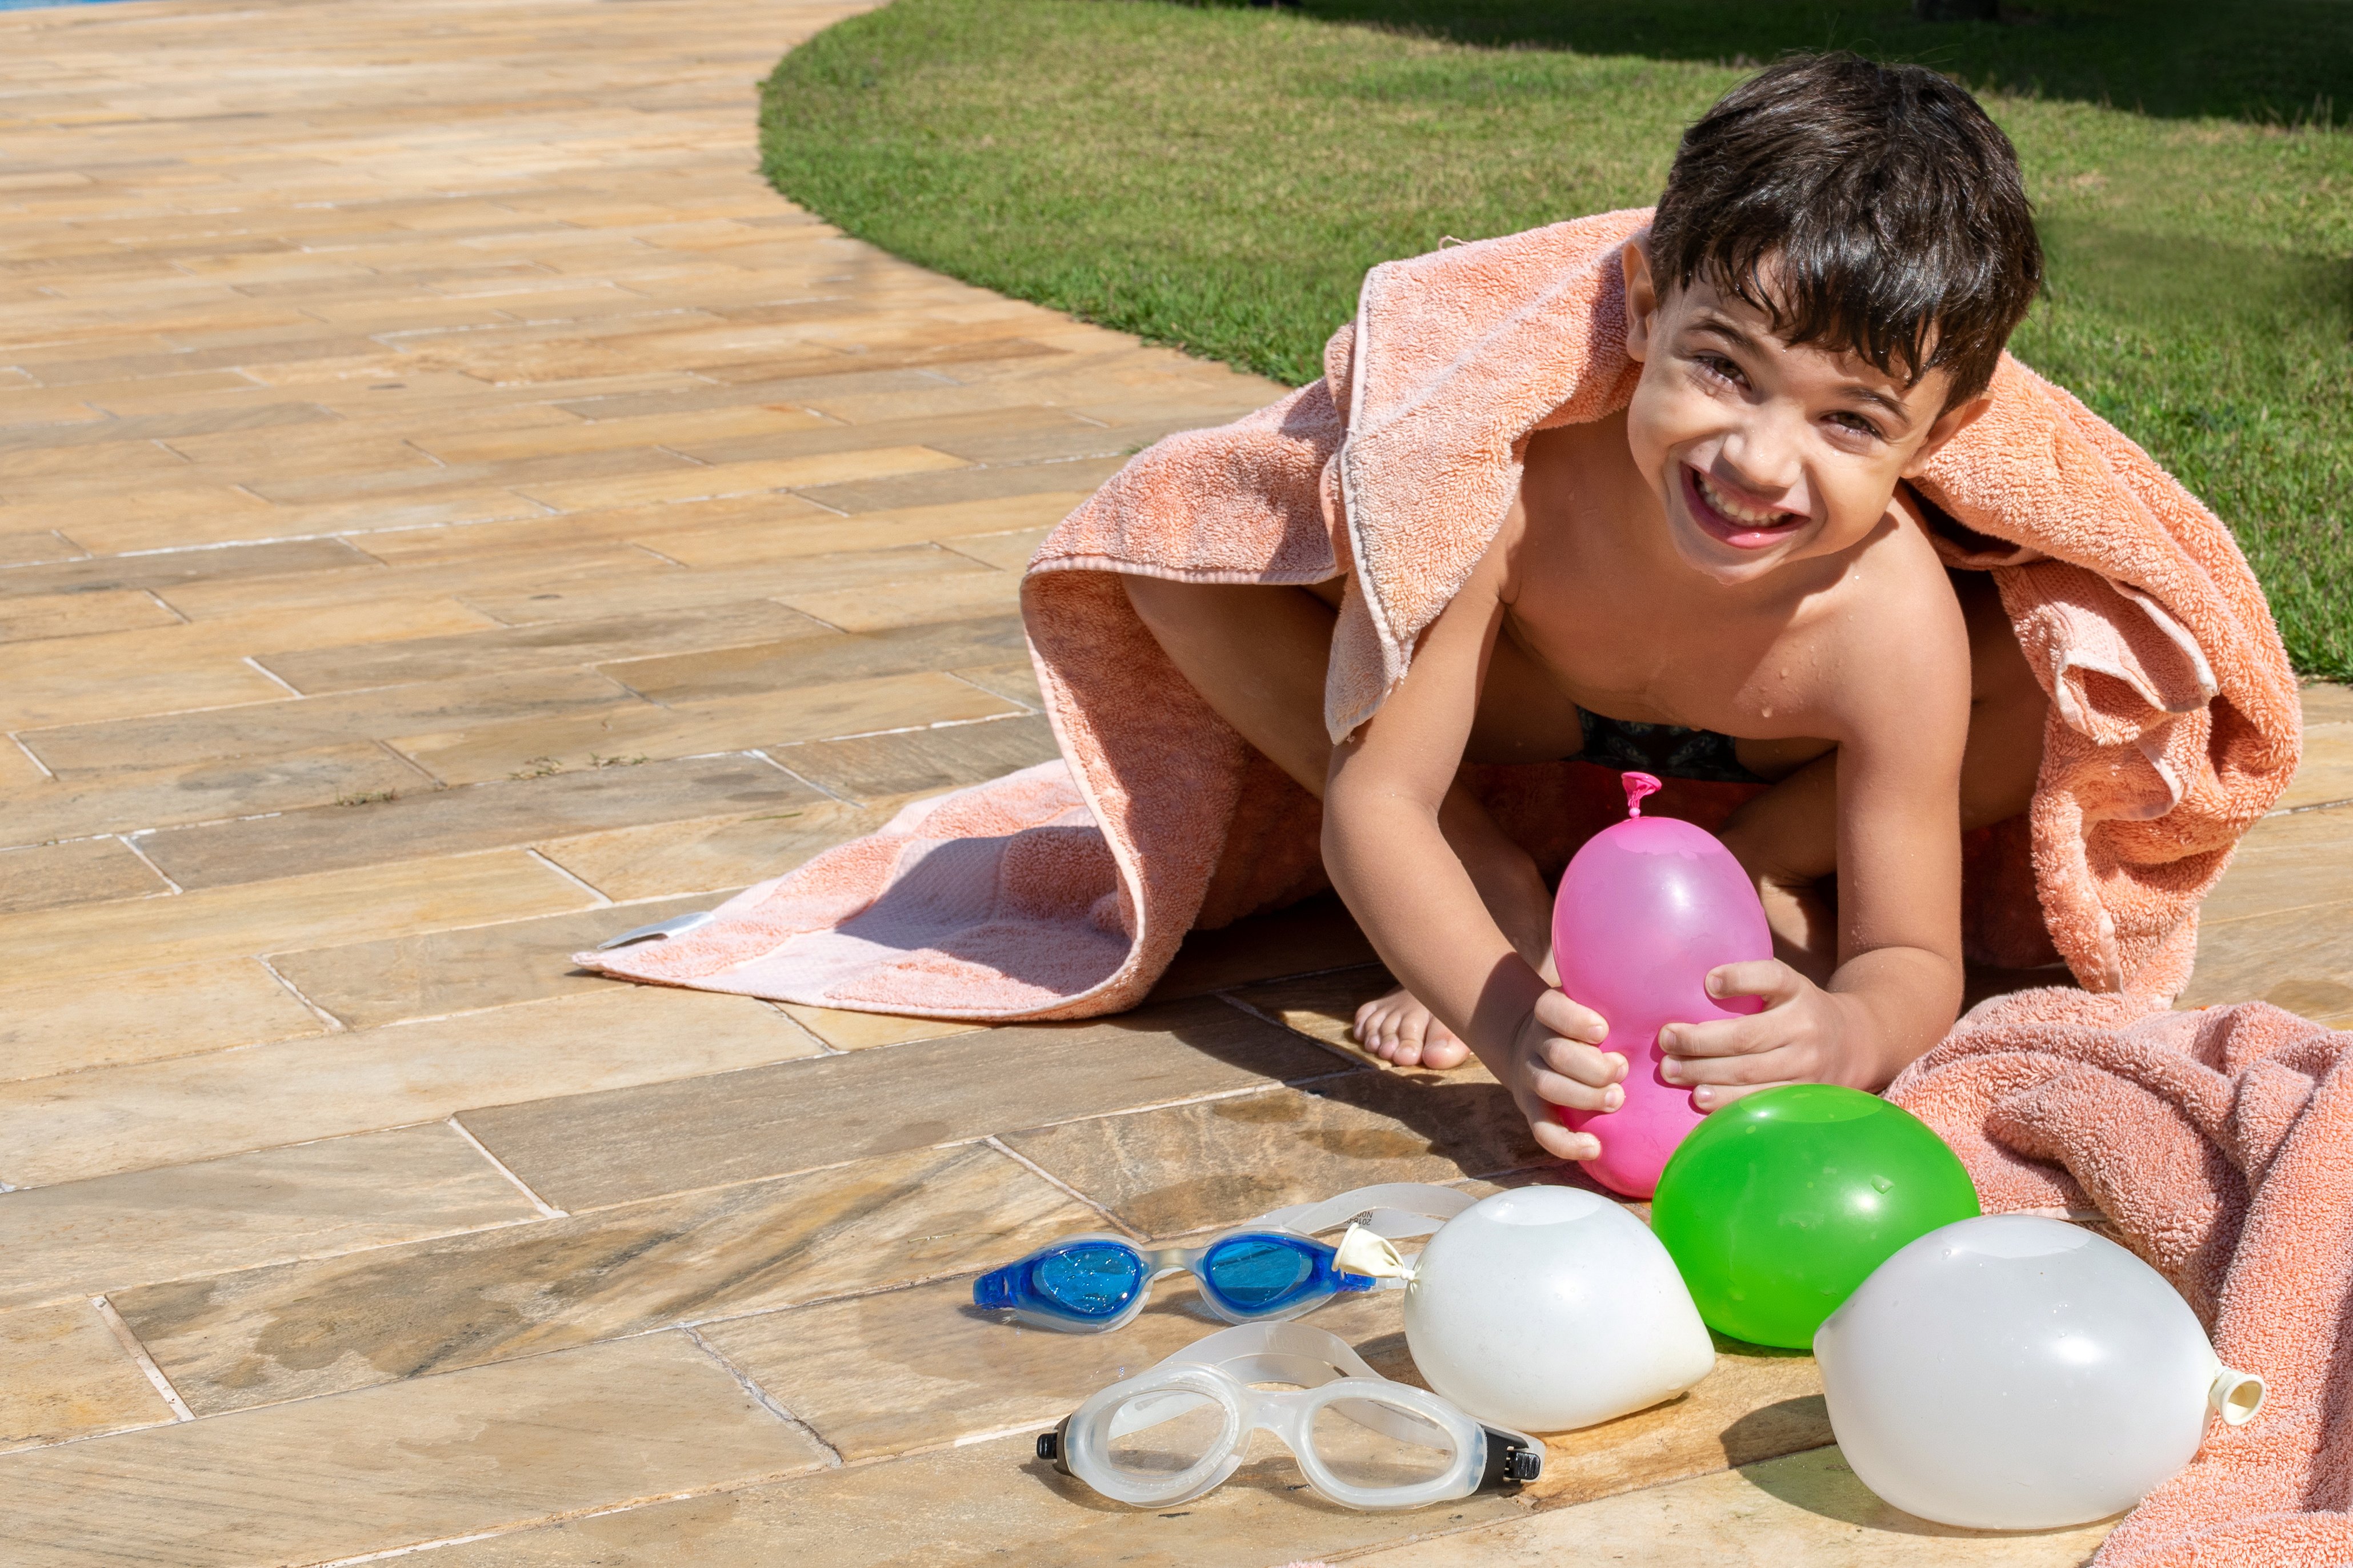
(452,511)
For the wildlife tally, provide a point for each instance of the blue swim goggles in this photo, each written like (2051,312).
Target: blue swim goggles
(1267,1268)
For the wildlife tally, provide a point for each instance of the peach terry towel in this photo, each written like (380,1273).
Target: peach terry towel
(1064,891)
(2221,1145)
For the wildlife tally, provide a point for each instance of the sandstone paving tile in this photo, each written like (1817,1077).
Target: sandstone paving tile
(922,1368)
(164,568)
(301,1329)
(920,762)
(475,654)
(493,1448)
(574,472)
(1307,937)
(1800,1510)
(1009,551)
(177,423)
(2299,959)
(971,528)
(2327,702)
(2293,861)
(1007,432)
(1219,1161)
(502,748)
(964,484)
(709,594)
(679,431)
(801,662)
(86,939)
(107,1234)
(846,1031)
(2324,776)
(37,810)
(92,692)
(170,1113)
(711,857)
(36,546)
(944,597)
(469,970)
(52,1026)
(155,517)
(1014,682)
(972,1504)
(38,615)
(79,473)
(303,723)
(79,871)
(64,1375)
(683,482)
(591,1149)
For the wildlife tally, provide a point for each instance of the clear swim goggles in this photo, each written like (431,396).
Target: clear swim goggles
(1268,1267)
(1171,1434)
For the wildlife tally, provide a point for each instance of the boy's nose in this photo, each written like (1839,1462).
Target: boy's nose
(1764,456)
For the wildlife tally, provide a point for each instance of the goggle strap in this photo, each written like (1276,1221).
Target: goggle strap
(1388,1208)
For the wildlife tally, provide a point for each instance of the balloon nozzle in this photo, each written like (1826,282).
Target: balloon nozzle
(1637,786)
(2235,1395)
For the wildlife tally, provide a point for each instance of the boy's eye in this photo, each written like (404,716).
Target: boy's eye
(1719,366)
(1856,423)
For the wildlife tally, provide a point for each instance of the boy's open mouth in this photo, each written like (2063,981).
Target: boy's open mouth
(1738,525)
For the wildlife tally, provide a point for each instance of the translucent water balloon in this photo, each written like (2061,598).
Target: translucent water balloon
(1780,1204)
(2015,1372)
(1645,910)
(1549,1308)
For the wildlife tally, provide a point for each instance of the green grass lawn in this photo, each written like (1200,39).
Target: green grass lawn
(1219,178)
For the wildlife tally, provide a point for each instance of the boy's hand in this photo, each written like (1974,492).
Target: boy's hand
(1805,1035)
(1553,1062)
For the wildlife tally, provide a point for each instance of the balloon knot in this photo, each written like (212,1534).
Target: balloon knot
(1637,786)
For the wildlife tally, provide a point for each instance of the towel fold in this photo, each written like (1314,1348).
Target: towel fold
(2220,1144)
(2173,722)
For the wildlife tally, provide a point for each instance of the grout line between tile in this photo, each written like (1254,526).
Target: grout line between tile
(130,1341)
(29,756)
(766,1400)
(272,675)
(593,892)
(129,841)
(546,1210)
(335,1025)
(1052,1180)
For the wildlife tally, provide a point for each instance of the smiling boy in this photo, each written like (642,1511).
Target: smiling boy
(1727,579)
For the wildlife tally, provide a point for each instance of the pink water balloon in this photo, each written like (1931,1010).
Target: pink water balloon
(1646,909)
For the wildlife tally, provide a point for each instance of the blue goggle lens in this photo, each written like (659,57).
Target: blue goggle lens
(1092,1280)
(1259,1273)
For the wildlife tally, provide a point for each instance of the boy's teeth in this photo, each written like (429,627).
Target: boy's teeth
(1733,508)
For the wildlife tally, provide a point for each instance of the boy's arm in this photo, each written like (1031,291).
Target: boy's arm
(1903,714)
(1390,860)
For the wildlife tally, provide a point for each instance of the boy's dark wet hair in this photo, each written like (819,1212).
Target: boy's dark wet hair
(1884,207)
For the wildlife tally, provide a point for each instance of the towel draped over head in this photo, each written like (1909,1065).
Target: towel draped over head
(1063,891)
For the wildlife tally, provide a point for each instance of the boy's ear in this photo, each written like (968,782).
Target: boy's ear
(1950,423)
(1641,298)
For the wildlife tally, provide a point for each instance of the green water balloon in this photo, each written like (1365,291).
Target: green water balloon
(1776,1207)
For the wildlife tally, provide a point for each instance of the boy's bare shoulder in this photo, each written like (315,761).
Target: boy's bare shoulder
(1895,648)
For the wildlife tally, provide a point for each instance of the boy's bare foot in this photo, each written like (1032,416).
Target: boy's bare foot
(1398,1030)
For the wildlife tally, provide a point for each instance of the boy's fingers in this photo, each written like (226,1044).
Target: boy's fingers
(1755,1069)
(1722,1037)
(1554,1089)
(1582,1062)
(1571,1019)
(1563,1144)
(1771,978)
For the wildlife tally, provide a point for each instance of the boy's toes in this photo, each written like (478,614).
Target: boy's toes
(1401,1031)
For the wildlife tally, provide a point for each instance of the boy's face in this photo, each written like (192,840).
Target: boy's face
(1764,454)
